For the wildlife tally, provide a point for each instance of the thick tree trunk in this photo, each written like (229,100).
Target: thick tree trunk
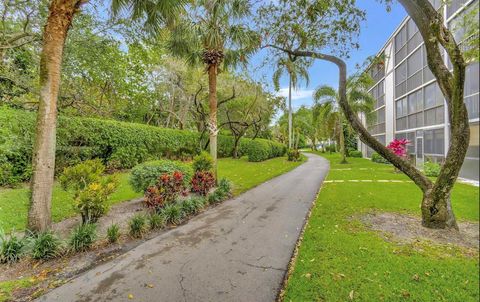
(235,146)
(212,97)
(341,140)
(436,207)
(58,22)
(290,123)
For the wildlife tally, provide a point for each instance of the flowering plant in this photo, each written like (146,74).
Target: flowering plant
(399,147)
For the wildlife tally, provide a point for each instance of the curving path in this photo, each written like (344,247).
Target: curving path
(237,251)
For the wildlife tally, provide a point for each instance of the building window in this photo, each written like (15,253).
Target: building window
(401,79)
(400,45)
(454,6)
(414,70)
(434,142)
(471,91)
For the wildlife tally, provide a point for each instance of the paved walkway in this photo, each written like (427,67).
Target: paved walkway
(237,251)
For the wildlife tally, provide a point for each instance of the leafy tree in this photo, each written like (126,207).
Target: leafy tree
(358,98)
(436,205)
(214,32)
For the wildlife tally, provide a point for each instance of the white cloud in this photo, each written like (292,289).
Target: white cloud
(296,94)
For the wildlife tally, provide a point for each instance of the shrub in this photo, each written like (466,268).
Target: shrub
(222,192)
(199,201)
(113,233)
(81,175)
(138,226)
(330,148)
(156,221)
(355,153)
(83,237)
(225,186)
(202,162)
(165,191)
(202,182)
(173,213)
(431,169)
(259,151)
(44,245)
(399,147)
(11,248)
(293,155)
(91,203)
(377,158)
(146,175)
(118,144)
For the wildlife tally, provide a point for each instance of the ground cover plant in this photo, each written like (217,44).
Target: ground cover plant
(341,259)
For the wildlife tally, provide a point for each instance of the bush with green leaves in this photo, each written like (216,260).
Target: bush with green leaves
(223,191)
(377,158)
(202,162)
(82,237)
(137,226)
(12,247)
(113,233)
(117,144)
(355,153)
(173,213)
(293,155)
(45,245)
(156,221)
(90,189)
(146,175)
(431,169)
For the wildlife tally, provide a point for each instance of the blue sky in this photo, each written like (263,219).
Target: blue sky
(377,28)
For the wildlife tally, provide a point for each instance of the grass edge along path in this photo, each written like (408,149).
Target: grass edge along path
(243,174)
(340,259)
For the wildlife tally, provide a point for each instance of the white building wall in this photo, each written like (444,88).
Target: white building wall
(389,93)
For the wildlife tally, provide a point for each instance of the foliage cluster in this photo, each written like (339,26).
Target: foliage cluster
(431,169)
(91,190)
(117,144)
(293,155)
(166,190)
(355,153)
(377,158)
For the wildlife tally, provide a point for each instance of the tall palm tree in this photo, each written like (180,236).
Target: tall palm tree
(214,32)
(59,20)
(60,17)
(359,99)
(297,69)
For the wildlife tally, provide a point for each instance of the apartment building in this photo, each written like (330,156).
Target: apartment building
(409,102)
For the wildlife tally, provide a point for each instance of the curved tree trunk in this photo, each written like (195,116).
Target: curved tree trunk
(436,206)
(212,97)
(60,17)
(341,140)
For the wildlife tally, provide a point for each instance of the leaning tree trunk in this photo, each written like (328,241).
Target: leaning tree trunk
(60,17)
(436,205)
(341,140)
(212,96)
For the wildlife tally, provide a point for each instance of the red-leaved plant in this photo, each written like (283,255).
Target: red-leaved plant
(166,190)
(399,147)
(202,182)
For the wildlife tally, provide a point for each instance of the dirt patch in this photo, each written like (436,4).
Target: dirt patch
(406,228)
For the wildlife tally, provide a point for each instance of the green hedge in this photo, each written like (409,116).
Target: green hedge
(146,174)
(118,144)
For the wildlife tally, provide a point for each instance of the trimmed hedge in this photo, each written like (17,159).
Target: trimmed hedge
(118,144)
(146,174)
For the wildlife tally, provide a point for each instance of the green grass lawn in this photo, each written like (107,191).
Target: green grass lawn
(243,174)
(340,259)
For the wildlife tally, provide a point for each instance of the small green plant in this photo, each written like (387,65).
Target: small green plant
(293,155)
(138,226)
(377,158)
(44,245)
(225,185)
(173,213)
(156,221)
(78,177)
(113,233)
(202,162)
(355,153)
(189,207)
(223,191)
(431,169)
(83,237)
(200,202)
(11,248)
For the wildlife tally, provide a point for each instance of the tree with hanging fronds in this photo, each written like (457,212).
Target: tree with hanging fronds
(214,33)
(360,100)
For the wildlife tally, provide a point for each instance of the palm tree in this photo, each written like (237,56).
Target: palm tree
(297,69)
(61,14)
(359,99)
(213,32)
